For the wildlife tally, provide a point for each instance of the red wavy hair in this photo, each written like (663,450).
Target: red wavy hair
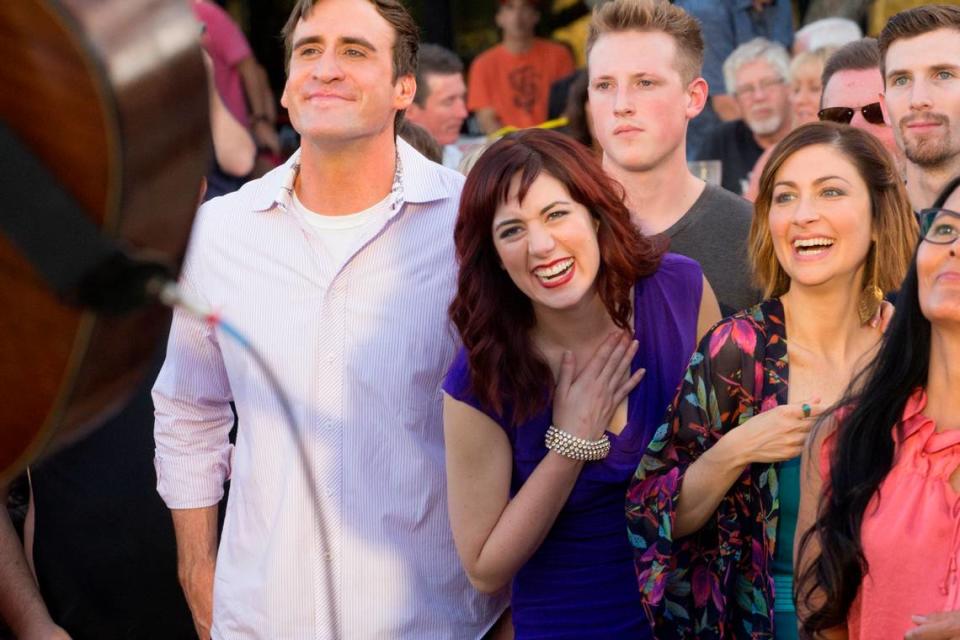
(493,316)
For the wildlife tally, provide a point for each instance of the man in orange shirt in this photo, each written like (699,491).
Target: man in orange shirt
(510,83)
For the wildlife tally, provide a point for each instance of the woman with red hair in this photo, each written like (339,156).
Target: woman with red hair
(576,331)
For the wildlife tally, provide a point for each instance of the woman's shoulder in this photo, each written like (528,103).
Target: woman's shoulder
(676,264)
(673,272)
(761,317)
(671,294)
(459,385)
(745,331)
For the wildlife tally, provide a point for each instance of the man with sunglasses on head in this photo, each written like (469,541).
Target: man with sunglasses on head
(920,62)
(852,86)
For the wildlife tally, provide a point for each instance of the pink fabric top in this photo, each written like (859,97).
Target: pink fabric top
(227,47)
(911,533)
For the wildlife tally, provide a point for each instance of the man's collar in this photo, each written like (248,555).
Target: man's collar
(420,180)
(415,181)
(276,187)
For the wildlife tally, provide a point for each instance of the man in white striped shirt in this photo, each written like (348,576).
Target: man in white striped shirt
(338,267)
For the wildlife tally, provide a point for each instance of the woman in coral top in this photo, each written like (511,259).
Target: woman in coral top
(881,559)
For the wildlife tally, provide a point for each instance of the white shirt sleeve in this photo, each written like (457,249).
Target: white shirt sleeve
(193,417)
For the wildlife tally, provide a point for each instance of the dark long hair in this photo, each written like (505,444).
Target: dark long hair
(861,458)
(493,316)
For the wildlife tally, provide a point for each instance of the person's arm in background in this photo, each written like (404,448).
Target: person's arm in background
(233,145)
(263,110)
(938,625)
(225,42)
(479,98)
(488,120)
(21,604)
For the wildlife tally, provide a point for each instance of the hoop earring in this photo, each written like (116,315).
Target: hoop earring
(872,295)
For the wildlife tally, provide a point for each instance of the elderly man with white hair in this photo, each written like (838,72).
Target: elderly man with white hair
(726,25)
(756,75)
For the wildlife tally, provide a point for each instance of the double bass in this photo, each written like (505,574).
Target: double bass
(110,96)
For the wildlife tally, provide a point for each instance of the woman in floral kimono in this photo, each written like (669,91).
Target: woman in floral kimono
(712,508)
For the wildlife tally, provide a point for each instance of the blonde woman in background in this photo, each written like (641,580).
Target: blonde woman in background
(805,88)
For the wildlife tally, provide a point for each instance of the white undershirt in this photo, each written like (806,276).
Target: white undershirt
(341,236)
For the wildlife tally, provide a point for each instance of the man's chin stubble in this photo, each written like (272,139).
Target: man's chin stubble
(930,154)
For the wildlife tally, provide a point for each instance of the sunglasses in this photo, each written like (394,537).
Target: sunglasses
(939,226)
(871,113)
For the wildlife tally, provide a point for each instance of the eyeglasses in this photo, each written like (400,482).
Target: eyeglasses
(872,113)
(748,90)
(939,226)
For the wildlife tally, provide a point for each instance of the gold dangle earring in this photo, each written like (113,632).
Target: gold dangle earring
(872,295)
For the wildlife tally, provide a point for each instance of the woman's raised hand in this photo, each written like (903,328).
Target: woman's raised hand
(584,403)
(777,434)
(942,625)
(881,319)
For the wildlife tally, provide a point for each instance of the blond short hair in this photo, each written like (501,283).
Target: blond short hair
(618,16)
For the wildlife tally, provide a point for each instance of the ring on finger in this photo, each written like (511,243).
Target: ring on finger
(806,410)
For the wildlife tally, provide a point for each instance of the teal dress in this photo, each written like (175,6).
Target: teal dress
(785,616)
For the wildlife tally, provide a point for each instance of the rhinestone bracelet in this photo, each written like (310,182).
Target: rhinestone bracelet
(570,446)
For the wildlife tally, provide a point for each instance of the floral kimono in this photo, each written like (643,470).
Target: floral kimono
(717,582)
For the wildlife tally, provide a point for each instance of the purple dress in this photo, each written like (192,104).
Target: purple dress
(580,583)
